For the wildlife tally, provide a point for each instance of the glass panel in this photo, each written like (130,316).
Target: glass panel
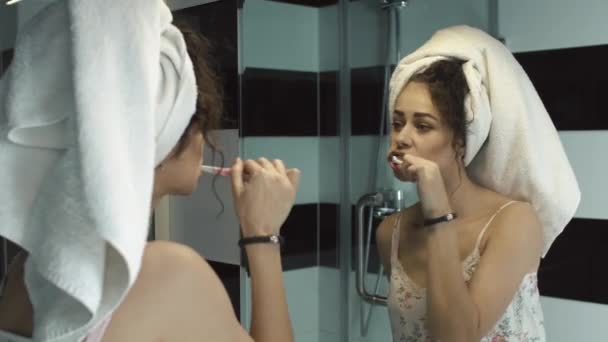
(381,32)
(289,73)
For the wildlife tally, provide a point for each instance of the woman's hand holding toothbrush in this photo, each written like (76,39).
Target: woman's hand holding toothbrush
(264,193)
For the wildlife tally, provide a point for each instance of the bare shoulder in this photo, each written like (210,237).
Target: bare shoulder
(517,224)
(177,297)
(520,220)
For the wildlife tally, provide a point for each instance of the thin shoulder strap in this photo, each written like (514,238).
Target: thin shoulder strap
(489,222)
(395,239)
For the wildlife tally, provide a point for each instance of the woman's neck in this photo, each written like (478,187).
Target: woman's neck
(461,191)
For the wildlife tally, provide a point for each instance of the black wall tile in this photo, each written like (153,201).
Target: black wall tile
(328,103)
(301,247)
(230,277)
(572,83)
(279,103)
(329,220)
(217,21)
(575,266)
(301,238)
(366,100)
(329,237)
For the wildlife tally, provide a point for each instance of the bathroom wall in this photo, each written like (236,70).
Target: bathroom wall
(552,24)
(564,47)
(8,31)
(280,119)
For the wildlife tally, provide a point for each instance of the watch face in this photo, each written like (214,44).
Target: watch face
(274,239)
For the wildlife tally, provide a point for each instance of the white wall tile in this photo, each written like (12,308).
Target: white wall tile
(318,158)
(586,151)
(569,320)
(194,220)
(302,288)
(419,20)
(329,170)
(328,38)
(331,337)
(552,24)
(280,36)
(379,325)
(300,152)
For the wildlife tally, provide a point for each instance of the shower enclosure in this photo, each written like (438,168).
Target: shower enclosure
(373,37)
(313,91)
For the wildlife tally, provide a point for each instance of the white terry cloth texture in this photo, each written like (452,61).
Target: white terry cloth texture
(512,145)
(99,92)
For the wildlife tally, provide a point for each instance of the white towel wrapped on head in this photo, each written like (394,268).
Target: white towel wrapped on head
(98,93)
(512,145)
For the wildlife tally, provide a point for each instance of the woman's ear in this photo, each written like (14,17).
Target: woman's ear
(460,149)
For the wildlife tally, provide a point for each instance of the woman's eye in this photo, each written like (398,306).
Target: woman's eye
(397,124)
(423,128)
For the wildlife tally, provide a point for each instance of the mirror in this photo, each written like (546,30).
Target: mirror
(311,103)
(306,81)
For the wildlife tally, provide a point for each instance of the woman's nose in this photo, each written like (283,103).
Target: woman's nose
(403,138)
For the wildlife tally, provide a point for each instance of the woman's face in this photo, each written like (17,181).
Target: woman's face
(178,174)
(418,129)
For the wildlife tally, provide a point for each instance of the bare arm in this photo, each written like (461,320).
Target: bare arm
(264,193)
(458,312)
(270,316)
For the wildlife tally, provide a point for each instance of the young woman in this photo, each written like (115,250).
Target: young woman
(177,296)
(470,276)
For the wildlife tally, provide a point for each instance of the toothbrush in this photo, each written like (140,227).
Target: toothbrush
(396,160)
(216,170)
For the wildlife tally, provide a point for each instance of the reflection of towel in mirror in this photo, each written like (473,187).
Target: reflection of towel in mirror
(98,94)
(512,145)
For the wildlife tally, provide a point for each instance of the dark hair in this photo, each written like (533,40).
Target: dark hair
(210,99)
(448,87)
(209,102)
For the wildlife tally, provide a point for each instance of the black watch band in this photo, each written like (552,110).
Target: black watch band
(275,239)
(445,218)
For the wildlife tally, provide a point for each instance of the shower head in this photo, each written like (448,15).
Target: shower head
(393,3)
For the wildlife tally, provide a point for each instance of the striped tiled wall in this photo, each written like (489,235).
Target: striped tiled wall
(288,110)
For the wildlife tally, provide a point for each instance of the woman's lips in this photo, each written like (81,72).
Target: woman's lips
(395,162)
